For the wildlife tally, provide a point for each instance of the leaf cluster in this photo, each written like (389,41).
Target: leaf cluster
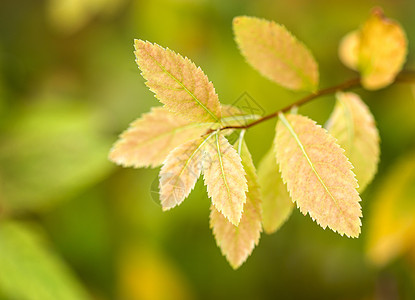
(320,169)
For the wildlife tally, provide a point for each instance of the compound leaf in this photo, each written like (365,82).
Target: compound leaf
(180,172)
(224,177)
(274,52)
(237,243)
(149,139)
(352,124)
(318,174)
(276,202)
(177,83)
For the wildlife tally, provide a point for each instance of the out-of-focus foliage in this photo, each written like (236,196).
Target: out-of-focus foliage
(48,151)
(146,274)
(277,205)
(378,50)
(353,125)
(82,79)
(30,271)
(392,222)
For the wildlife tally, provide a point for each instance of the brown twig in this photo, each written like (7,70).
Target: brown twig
(403,77)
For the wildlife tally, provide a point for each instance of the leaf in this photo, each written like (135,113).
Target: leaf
(276,202)
(353,125)
(274,52)
(177,83)
(349,49)
(318,174)
(391,224)
(224,177)
(180,172)
(149,139)
(49,151)
(237,243)
(382,50)
(30,271)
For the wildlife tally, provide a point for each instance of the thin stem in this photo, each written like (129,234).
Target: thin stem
(355,82)
(403,77)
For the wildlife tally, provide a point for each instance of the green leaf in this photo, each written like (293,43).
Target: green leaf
(274,52)
(353,125)
(48,152)
(318,175)
(237,243)
(30,271)
(276,202)
(178,83)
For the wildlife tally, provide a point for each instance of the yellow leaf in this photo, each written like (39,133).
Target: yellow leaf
(178,83)
(272,50)
(224,177)
(276,202)
(237,243)
(180,172)
(382,50)
(149,139)
(391,226)
(352,124)
(318,175)
(349,49)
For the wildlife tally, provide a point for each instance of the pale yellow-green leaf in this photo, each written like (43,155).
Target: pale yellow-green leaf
(349,49)
(224,177)
(29,270)
(391,226)
(272,50)
(353,125)
(318,174)
(181,86)
(382,50)
(237,243)
(149,139)
(276,202)
(180,172)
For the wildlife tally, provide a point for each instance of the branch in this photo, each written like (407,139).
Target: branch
(403,77)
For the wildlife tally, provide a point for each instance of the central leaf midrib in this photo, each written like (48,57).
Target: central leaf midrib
(294,134)
(173,132)
(222,169)
(191,156)
(184,87)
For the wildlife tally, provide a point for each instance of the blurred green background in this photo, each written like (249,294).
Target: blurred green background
(75,226)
